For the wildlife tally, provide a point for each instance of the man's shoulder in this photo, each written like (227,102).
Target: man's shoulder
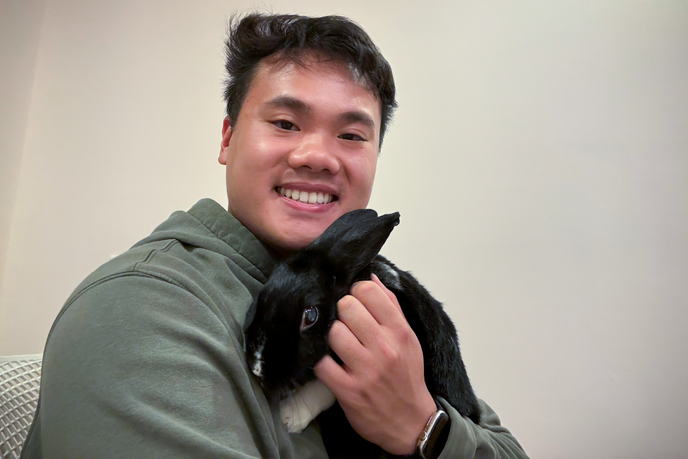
(204,252)
(192,248)
(129,263)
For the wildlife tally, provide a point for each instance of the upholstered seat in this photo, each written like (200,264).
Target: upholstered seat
(20,378)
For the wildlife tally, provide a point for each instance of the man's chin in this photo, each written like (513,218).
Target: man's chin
(286,243)
(286,233)
(292,245)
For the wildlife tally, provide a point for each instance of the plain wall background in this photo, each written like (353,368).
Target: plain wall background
(539,159)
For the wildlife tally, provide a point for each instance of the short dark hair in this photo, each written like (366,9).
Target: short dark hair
(257,36)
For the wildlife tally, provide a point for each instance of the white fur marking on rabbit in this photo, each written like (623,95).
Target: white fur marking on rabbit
(393,279)
(257,368)
(304,404)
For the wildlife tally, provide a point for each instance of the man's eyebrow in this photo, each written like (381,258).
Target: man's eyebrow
(357,117)
(290,103)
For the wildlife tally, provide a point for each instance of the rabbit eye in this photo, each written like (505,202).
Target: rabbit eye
(310,316)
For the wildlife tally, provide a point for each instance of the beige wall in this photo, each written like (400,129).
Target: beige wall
(20,30)
(539,159)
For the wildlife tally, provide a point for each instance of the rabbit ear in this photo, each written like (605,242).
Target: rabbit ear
(357,247)
(340,227)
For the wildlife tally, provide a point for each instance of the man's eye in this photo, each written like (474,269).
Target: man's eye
(353,137)
(286,125)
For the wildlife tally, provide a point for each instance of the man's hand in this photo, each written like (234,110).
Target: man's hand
(380,386)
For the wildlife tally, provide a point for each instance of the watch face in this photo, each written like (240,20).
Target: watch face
(431,441)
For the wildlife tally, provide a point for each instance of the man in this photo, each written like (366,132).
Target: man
(146,357)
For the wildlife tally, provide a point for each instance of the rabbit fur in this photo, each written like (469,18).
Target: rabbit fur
(288,326)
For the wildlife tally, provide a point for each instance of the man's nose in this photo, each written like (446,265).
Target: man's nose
(315,153)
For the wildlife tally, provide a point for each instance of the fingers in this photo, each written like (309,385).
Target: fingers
(379,301)
(336,378)
(355,316)
(389,293)
(370,322)
(344,342)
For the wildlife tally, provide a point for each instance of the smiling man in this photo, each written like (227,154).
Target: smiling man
(303,150)
(146,358)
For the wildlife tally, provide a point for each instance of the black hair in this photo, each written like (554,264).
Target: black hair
(257,36)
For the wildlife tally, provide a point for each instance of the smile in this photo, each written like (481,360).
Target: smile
(311,197)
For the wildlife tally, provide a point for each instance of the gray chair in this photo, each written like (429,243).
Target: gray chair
(20,380)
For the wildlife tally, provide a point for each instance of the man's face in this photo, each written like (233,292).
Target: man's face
(303,151)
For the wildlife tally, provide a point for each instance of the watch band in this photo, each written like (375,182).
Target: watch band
(431,441)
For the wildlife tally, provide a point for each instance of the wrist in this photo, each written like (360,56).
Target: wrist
(429,408)
(403,444)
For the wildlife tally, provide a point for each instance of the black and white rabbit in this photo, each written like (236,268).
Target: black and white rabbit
(288,325)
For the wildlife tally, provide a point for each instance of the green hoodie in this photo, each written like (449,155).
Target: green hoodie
(146,358)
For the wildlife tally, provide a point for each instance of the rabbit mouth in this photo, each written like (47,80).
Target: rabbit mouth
(307,197)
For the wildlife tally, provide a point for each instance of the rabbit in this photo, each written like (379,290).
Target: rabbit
(288,325)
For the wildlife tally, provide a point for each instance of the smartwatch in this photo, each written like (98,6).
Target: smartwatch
(431,441)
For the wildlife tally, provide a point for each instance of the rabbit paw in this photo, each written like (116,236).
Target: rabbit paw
(300,407)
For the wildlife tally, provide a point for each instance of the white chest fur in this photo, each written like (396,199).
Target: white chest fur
(303,405)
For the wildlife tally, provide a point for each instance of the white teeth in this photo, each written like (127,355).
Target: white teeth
(312,197)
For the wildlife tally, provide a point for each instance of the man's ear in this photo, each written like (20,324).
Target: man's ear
(226,135)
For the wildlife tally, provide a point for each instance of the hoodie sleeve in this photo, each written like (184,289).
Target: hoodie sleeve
(139,367)
(486,440)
